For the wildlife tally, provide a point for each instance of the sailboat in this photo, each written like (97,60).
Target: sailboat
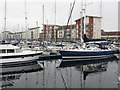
(10,54)
(88,51)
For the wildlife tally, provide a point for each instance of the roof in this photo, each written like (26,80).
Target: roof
(6,31)
(8,46)
(110,32)
(34,28)
(51,25)
(89,16)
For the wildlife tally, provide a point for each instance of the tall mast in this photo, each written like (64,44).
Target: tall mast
(43,24)
(101,13)
(84,14)
(70,23)
(5,17)
(4,22)
(81,27)
(101,9)
(55,24)
(25,20)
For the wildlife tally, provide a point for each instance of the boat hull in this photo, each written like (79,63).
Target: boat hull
(13,59)
(87,55)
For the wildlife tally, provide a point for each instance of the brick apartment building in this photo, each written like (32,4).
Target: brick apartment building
(93,27)
(59,33)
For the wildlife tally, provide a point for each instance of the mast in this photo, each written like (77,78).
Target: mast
(5,17)
(5,21)
(70,23)
(101,14)
(18,38)
(55,24)
(81,21)
(43,23)
(25,21)
(101,9)
(37,31)
(84,15)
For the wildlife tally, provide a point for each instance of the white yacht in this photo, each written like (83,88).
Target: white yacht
(10,54)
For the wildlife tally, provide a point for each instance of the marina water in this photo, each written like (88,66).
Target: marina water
(55,74)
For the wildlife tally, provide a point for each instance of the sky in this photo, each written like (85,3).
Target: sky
(15,13)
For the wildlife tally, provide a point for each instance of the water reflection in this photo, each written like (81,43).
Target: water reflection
(78,63)
(62,74)
(119,72)
(92,68)
(10,74)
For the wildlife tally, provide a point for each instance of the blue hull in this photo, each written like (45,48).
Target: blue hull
(86,54)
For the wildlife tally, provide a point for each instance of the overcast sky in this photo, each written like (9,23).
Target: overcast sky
(15,13)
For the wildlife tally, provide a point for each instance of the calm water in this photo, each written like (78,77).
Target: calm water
(56,74)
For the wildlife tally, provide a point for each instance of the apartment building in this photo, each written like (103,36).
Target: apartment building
(93,27)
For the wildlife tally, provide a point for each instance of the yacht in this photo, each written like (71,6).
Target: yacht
(10,54)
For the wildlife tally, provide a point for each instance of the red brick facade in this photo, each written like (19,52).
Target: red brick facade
(111,35)
(89,25)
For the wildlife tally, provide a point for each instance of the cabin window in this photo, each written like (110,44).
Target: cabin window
(18,50)
(2,51)
(10,50)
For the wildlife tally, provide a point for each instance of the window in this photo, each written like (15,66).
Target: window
(32,35)
(10,50)
(18,50)
(2,51)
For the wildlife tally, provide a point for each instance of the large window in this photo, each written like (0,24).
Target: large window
(10,50)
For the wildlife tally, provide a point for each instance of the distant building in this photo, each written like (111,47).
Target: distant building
(93,27)
(6,35)
(30,34)
(59,33)
(66,33)
(50,32)
(33,33)
(110,35)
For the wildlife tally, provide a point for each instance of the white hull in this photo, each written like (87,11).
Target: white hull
(17,60)
(24,57)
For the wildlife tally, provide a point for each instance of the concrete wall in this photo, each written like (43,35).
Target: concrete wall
(97,28)
(1,37)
